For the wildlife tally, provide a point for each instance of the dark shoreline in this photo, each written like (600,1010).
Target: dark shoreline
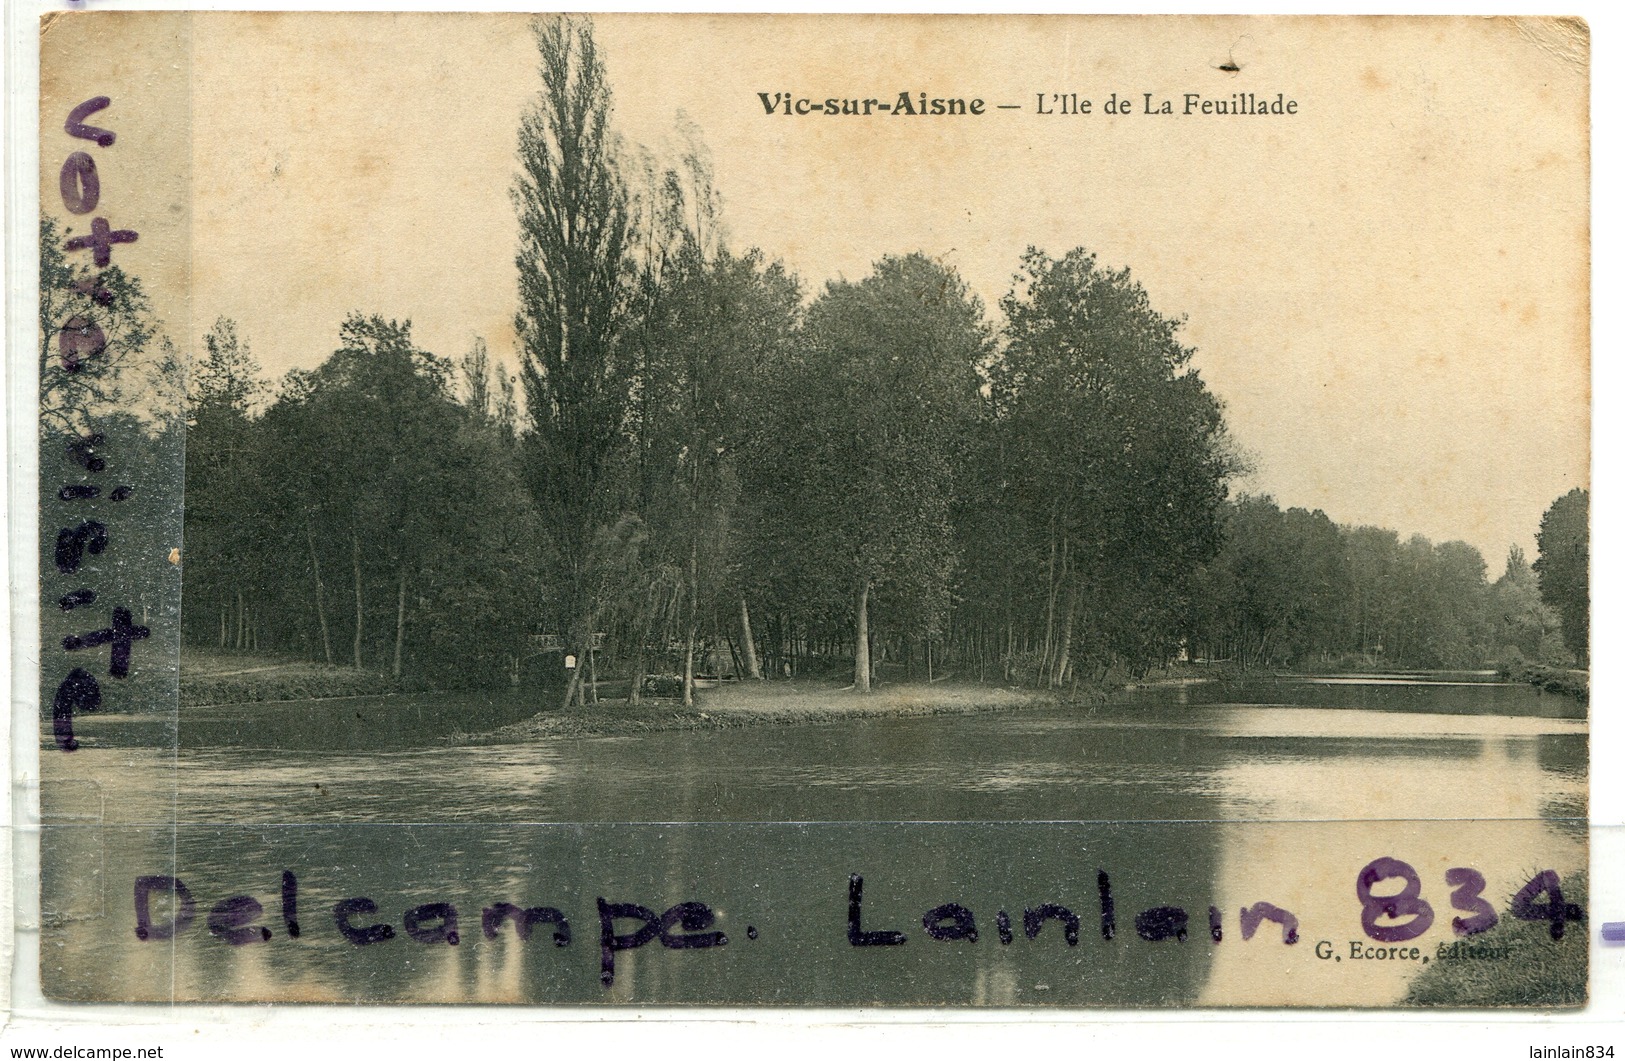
(245,711)
(1575,683)
(612,718)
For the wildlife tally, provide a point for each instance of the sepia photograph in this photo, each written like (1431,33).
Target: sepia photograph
(814,510)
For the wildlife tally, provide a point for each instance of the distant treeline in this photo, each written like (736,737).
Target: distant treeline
(696,466)
(1293,588)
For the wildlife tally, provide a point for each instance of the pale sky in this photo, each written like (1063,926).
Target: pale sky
(1388,290)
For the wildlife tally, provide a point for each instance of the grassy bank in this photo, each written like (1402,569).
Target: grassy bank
(1575,683)
(209,678)
(217,679)
(1518,963)
(766,703)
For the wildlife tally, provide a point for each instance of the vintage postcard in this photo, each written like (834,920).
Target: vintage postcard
(813,510)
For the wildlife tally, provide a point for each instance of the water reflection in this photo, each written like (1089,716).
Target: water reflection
(1194,796)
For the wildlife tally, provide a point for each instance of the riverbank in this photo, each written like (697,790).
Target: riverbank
(210,679)
(223,680)
(1515,963)
(1575,683)
(765,703)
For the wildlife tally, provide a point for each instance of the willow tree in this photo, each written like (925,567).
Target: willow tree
(575,287)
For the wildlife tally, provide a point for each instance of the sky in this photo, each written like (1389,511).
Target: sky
(1387,290)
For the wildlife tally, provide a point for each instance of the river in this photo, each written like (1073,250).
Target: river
(1185,795)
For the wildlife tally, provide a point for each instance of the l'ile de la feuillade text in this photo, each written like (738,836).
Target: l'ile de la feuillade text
(915,104)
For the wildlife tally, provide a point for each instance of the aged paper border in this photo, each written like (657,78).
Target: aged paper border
(831,1031)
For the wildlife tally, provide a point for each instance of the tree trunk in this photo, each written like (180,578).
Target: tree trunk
(321,612)
(242,623)
(640,664)
(747,644)
(400,624)
(693,622)
(634,694)
(355,565)
(634,691)
(1049,608)
(573,687)
(1058,678)
(582,642)
(860,641)
(688,667)
(592,670)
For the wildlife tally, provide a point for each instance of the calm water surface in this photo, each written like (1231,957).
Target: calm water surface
(1193,795)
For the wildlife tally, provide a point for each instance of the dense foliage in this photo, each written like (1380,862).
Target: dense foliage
(693,467)
(1564,567)
(1293,588)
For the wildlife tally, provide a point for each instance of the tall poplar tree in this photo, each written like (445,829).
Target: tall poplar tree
(575,287)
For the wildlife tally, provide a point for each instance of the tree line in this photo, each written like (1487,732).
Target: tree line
(698,466)
(1293,588)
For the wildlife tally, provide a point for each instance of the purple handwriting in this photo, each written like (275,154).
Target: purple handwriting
(80,340)
(80,693)
(81,185)
(627,926)
(685,926)
(950,922)
(1416,914)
